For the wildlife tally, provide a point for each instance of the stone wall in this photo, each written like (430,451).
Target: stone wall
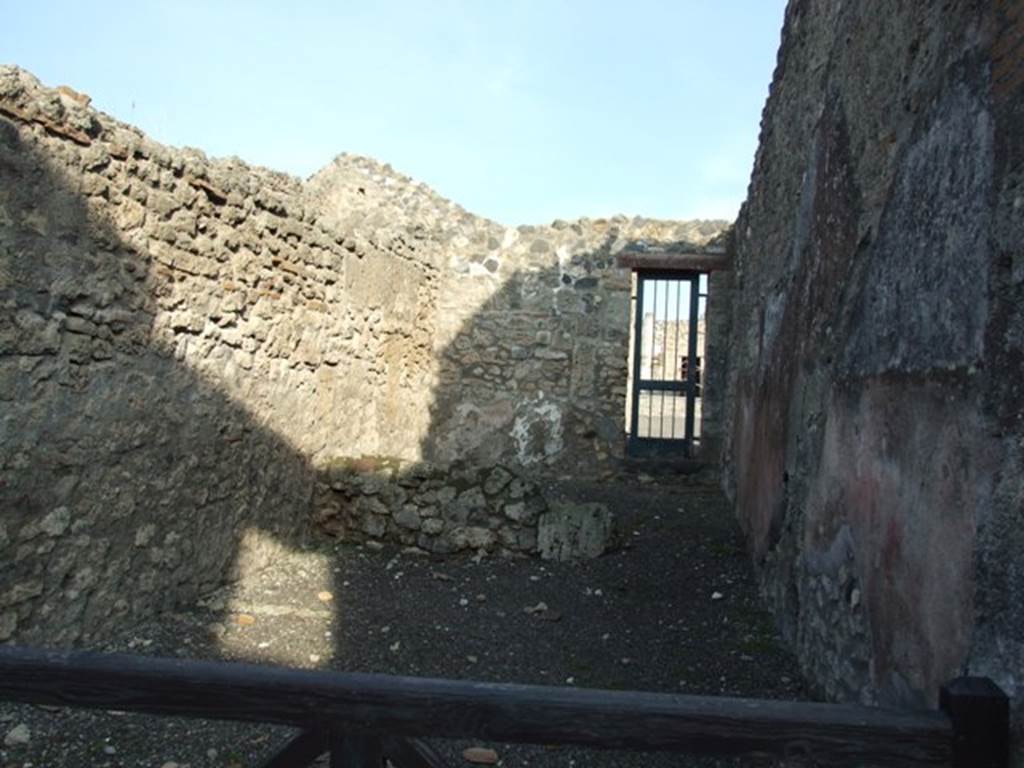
(876,427)
(189,348)
(181,344)
(716,399)
(434,509)
(441,510)
(531,344)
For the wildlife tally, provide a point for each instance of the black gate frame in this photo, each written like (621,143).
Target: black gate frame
(661,447)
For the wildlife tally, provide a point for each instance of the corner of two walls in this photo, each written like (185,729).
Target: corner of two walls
(717,399)
(533,352)
(522,341)
(189,347)
(530,356)
(529,325)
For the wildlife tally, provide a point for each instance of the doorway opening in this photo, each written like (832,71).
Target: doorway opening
(666,367)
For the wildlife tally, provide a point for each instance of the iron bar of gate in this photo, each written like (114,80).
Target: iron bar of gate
(355,710)
(676,365)
(664,364)
(653,373)
(638,335)
(691,353)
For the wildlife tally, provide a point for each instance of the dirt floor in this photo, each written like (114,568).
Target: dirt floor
(672,608)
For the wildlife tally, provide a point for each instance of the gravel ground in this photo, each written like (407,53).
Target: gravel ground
(672,608)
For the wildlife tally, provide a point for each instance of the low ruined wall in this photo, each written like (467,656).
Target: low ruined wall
(876,429)
(437,510)
(462,507)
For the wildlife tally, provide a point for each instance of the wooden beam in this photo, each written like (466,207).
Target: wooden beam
(831,734)
(668,260)
(980,711)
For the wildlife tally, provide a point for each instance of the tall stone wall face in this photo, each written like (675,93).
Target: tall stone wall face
(531,340)
(876,424)
(716,399)
(181,343)
(534,348)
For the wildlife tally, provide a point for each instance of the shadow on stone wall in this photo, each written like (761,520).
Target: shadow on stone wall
(536,377)
(530,390)
(132,484)
(108,510)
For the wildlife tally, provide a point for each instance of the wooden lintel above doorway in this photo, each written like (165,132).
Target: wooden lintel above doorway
(703,261)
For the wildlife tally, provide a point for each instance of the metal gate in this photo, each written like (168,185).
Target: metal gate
(667,370)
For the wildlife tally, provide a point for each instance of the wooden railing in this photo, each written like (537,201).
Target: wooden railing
(361,719)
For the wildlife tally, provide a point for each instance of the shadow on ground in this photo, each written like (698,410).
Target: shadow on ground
(643,617)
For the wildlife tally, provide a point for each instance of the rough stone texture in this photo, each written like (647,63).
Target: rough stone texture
(531,342)
(877,417)
(572,530)
(188,347)
(718,335)
(183,345)
(437,510)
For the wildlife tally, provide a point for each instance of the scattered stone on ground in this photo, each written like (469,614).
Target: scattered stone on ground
(480,755)
(17,736)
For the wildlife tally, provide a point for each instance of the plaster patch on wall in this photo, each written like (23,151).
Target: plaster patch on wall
(538,431)
(774,309)
(486,269)
(511,237)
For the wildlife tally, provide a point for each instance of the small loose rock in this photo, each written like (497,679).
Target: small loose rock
(18,736)
(480,755)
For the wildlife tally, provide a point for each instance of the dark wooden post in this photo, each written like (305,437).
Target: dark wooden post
(980,712)
(350,749)
(412,753)
(300,752)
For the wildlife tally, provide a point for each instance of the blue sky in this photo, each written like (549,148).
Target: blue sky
(519,110)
